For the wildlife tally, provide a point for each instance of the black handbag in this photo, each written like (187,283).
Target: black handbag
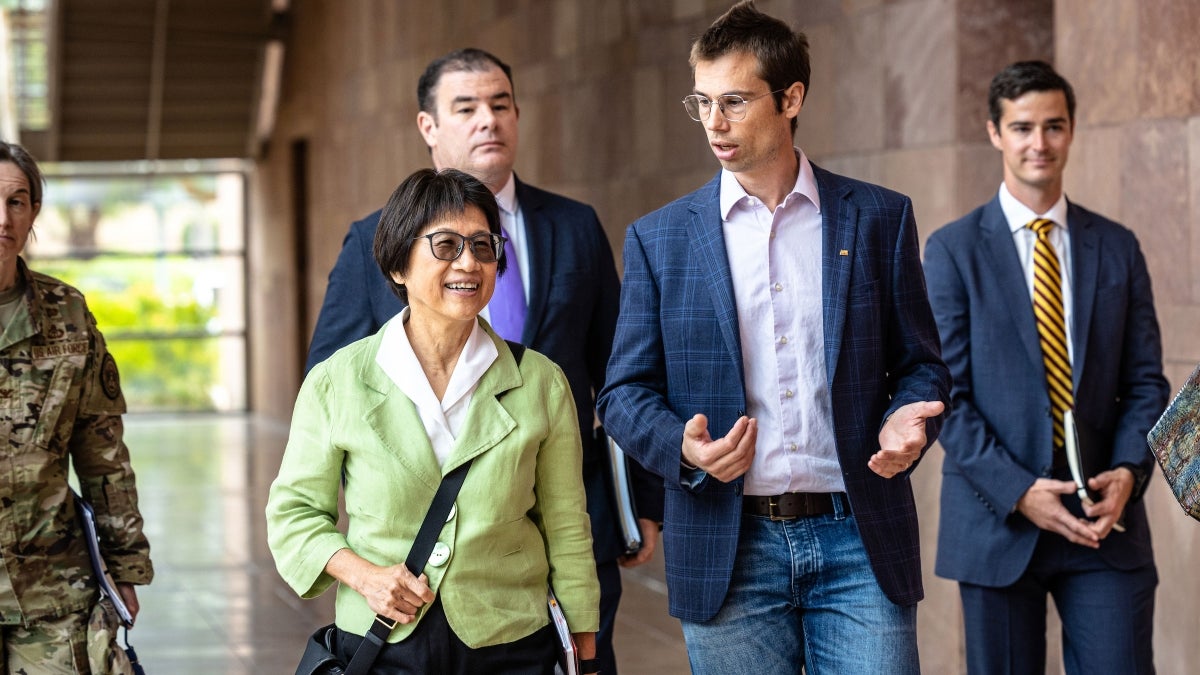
(318,658)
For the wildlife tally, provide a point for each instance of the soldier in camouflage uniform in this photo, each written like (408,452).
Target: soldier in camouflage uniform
(60,404)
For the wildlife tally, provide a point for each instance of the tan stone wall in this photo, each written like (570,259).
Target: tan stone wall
(897,97)
(1135,65)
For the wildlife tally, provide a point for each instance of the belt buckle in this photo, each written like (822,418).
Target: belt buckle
(772,505)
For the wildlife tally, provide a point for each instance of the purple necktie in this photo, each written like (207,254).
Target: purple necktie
(507,307)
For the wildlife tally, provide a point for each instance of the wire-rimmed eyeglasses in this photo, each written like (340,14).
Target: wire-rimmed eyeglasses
(733,107)
(487,248)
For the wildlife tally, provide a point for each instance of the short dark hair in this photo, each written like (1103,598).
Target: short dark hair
(423,198)
(15,154)
(457,61)
(781,52)
(1022,77)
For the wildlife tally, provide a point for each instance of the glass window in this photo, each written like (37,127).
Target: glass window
(161,260)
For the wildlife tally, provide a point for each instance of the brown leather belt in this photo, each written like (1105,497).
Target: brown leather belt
(790,505)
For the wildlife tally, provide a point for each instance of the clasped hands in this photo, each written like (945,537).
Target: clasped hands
(1042,505)
(900,443)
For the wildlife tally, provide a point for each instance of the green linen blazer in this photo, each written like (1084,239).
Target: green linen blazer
(520,521)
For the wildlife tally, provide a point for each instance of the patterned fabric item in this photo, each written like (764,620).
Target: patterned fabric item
(60,409)
(1175,440)
(106,656)
(1051,326)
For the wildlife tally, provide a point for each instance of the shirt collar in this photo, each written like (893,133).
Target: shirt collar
(399,362)
(732,192)
(1018,215)
(507,196)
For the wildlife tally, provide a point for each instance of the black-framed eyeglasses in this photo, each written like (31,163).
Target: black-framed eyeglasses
(733,107)
(487,248)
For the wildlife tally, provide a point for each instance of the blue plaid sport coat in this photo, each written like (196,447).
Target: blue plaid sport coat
(677,353)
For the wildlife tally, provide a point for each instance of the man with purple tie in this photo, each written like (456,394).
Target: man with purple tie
(558,296)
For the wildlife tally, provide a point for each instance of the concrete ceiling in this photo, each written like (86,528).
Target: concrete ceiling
(157,79)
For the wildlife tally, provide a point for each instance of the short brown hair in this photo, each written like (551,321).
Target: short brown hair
(1022,77)
(782,53)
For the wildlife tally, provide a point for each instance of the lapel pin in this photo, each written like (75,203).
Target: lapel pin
(843,252)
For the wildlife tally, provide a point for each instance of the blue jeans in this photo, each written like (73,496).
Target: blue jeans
(803,594)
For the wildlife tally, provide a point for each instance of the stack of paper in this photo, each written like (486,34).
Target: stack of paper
(631,534)
(568,660)
(107,587)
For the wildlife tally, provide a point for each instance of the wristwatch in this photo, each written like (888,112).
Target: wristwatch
(588,666)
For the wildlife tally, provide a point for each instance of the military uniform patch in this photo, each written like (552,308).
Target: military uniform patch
(110,381)
(60,349)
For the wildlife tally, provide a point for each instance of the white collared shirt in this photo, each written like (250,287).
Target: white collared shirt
(513,222)
(443,419)
(775,262)
(1019,216)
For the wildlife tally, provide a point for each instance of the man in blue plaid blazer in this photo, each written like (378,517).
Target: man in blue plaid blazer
(777,362)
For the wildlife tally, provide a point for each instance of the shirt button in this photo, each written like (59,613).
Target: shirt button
(778,287)
(788,393)
(783,340)
(441,553)
(453,511)
(792,447)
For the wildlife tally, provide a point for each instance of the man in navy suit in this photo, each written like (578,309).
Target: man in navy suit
(777,364)
(562,263)
(1012,527)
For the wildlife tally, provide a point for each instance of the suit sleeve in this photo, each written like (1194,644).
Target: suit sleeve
(346,313)
(969,443)
(647,487)
(302,504)
(914,360)
(1143,391)
(561,512)
(633,403)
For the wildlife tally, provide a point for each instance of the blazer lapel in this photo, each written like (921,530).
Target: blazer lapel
(709,237)
(539,242)
(1000,254)
(395,421)
(488,420)
(1085,264)
(839,226)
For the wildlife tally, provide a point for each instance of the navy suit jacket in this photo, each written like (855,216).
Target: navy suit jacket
(998,438)
(572,314)
(677,353)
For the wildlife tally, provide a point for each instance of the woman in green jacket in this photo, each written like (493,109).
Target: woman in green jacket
(394,412)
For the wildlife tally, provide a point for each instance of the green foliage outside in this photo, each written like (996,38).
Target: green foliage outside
(138,303)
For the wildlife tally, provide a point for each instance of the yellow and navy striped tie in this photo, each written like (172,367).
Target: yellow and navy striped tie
(1051,325)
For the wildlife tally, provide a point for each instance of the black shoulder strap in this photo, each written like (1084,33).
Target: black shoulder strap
(518,350)
(427,535)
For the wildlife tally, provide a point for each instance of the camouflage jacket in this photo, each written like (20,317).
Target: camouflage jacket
(61,404)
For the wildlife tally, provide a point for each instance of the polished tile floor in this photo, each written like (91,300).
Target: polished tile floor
(217,605)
